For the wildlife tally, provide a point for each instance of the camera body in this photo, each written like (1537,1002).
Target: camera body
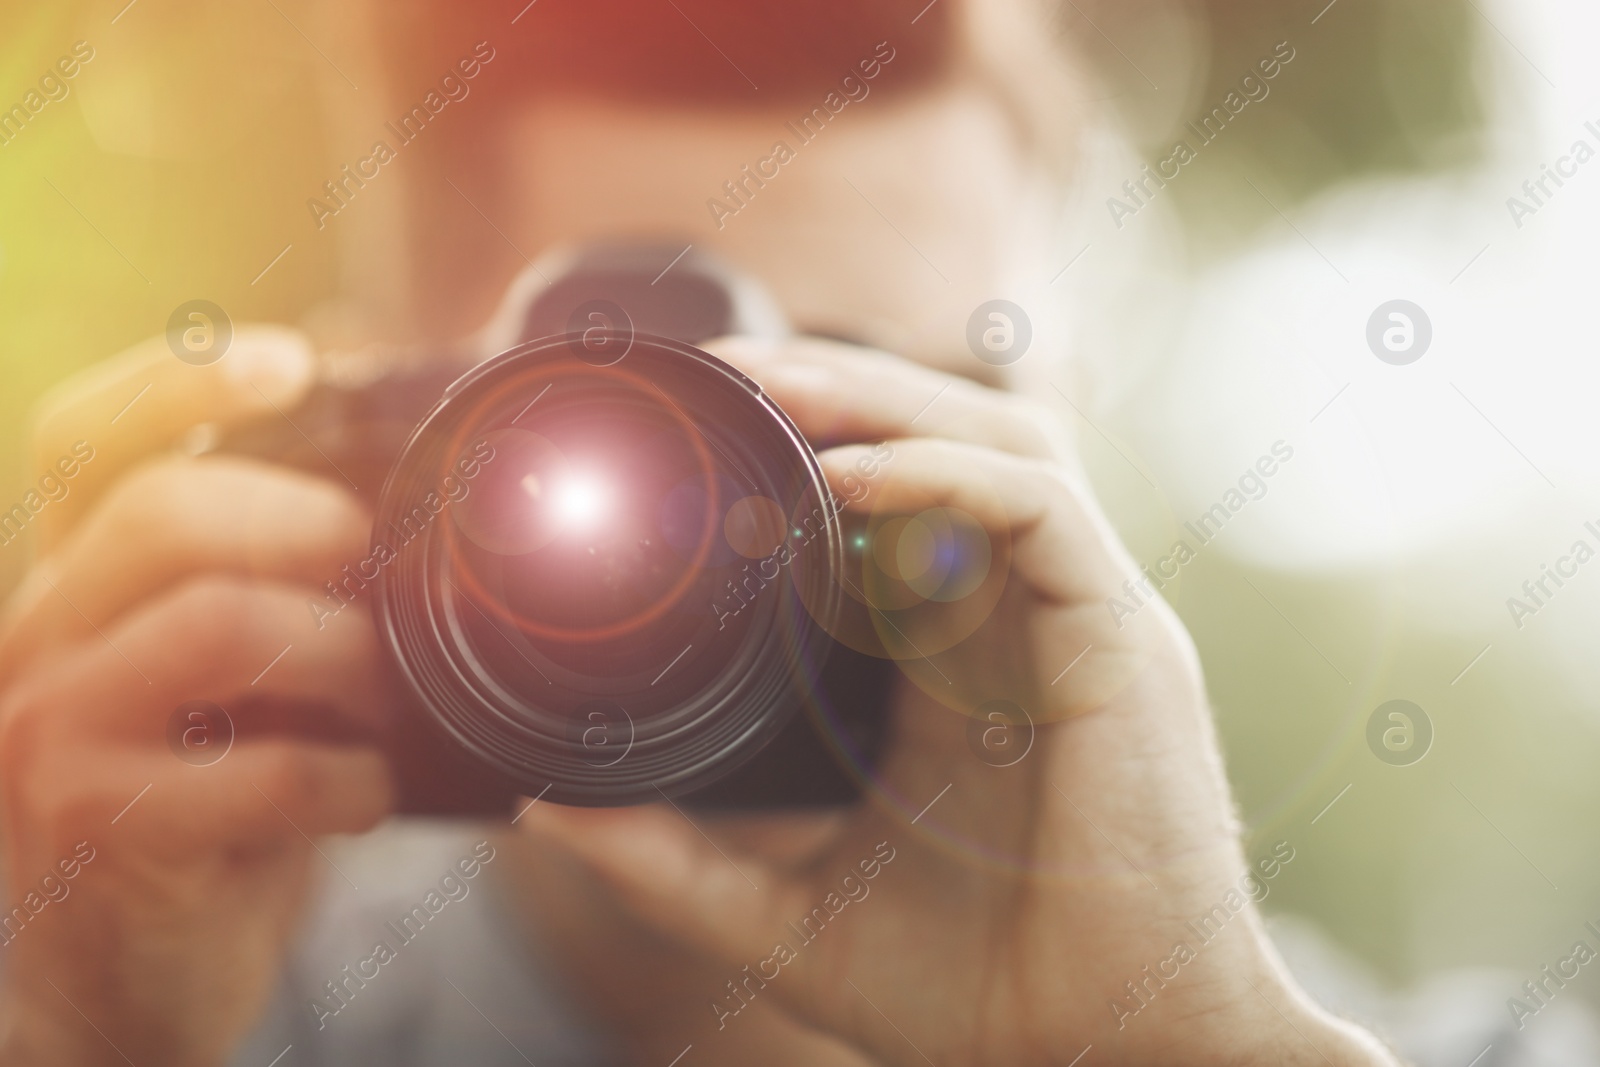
(604,564)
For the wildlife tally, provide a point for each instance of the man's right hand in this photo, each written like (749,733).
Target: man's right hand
(164,579)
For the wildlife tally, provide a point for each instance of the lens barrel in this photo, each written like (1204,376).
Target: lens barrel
(608,568)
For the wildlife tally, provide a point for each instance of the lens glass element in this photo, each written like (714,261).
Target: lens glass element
(629,589)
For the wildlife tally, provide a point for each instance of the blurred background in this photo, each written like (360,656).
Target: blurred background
(1211,319)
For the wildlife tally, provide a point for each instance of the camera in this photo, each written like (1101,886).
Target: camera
(605,567)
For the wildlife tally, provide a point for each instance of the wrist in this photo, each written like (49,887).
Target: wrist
(34,1034)
(32,1037)
(1287,1028)
(1323,1039)
(1247,1010)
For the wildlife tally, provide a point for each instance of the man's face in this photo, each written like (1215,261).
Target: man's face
(726,53)
(889,226)
(839,151)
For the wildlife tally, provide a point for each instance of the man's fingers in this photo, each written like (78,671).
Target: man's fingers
(673,877)
(838,393)
(260,793)
(267,789)
(216,639)
(1060,539)
(177,518)
(1064,566)
(145,399)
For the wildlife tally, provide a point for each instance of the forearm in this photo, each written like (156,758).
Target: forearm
(31,1035)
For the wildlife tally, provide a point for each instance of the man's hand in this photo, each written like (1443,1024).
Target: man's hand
(1009,906)
(162,580)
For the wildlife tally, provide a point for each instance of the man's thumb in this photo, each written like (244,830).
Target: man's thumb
(669,873)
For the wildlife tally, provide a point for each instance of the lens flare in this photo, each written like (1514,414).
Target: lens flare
(755,526)
(580,501)
(507,509)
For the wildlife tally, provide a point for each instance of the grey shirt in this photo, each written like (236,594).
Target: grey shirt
(463,985)
(456,981)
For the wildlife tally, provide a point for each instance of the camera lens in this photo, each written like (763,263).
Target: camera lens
(607,580)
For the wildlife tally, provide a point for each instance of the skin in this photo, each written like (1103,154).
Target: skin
(1122,796)
(197,571)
